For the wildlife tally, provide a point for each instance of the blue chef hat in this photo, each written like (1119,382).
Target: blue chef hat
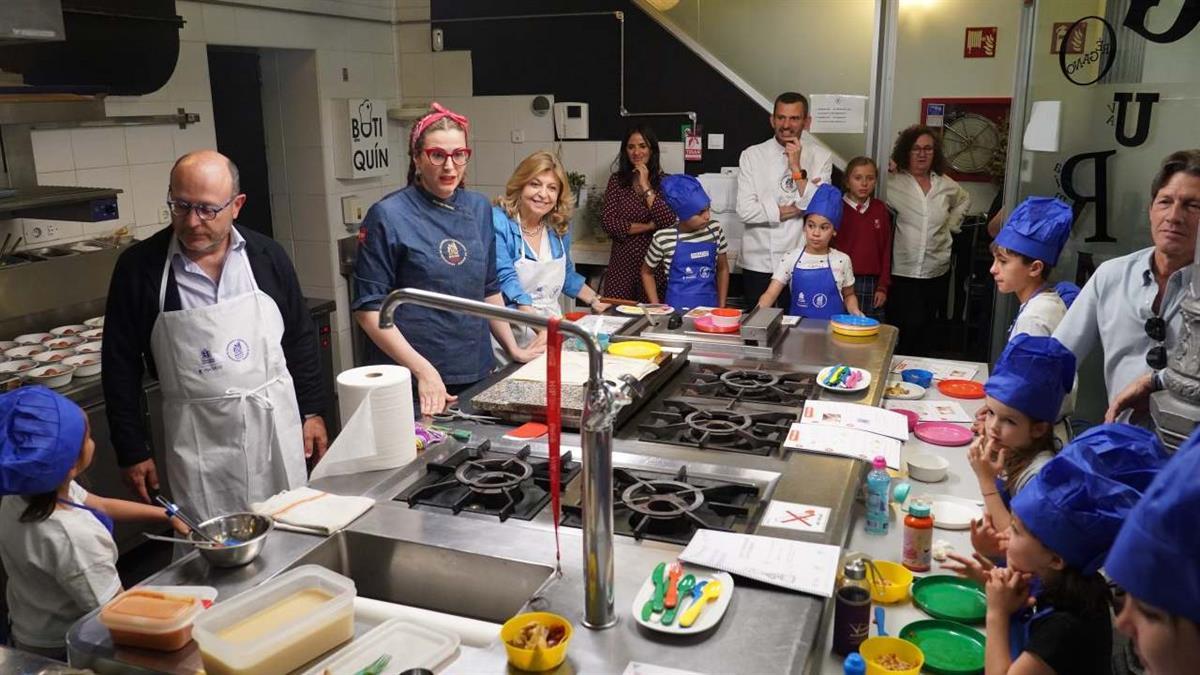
(1033,374)
(827,201)
(41,434)
(1121,452)
(1074,511)
(1155,554)
(1039,228)
(684,194)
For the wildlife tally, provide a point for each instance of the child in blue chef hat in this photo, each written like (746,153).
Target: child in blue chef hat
(694,251)
(818,277)
(1156,560)
(55,538)
(1024,254)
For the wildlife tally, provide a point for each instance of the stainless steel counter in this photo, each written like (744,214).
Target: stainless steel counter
(766,630)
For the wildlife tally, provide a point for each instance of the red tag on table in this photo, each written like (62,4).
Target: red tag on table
(554,422)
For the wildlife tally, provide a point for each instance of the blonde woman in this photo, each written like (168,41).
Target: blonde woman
(533,248)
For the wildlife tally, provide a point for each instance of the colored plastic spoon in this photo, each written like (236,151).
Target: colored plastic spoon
(673,573)
(686,584)
(711,591)
(655,603)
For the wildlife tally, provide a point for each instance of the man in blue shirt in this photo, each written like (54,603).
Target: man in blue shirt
(1131,304)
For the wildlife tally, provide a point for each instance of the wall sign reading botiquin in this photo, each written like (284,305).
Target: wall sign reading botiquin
(362,140)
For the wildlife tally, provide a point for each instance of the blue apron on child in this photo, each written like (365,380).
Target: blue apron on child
(1019,622)
(692,280)
(815,293)
(101,516)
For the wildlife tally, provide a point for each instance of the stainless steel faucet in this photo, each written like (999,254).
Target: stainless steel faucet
(601,401)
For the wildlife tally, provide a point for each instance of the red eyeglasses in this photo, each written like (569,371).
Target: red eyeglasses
(459,156)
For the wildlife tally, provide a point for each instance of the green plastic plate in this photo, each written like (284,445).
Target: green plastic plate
(950,648)
(944,596)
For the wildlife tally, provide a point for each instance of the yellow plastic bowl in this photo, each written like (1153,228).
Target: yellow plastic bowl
(875,648)
(530,659)
(899,578)
(635,349)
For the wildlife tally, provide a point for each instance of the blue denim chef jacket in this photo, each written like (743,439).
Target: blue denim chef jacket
(412,239)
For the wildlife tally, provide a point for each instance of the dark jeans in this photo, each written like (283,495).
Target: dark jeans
(913,306)
(754,284)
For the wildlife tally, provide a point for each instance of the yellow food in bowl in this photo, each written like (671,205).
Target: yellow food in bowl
(891,582)
(523,637)
(886,655)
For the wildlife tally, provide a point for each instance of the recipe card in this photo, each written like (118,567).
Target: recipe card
(855,416)
(794,565)
(942,370)
(852,443)
(932,411)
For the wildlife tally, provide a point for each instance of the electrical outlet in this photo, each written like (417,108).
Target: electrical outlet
(164,214)
(42,230)
(518,135)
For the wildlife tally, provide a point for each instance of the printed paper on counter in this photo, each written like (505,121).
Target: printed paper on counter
(932,411)
(793,516)
(635,668)
(855,416)
(794,565)
(853,443)
(942,370)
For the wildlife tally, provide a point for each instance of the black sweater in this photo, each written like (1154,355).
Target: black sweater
(132,309)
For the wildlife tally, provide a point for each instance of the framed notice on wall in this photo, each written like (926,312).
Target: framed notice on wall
(974,134)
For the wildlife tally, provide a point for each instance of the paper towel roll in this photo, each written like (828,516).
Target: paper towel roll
(378,433)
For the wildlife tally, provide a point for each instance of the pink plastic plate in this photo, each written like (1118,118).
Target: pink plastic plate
(943,433)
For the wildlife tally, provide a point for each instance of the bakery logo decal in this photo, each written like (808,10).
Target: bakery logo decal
(208,364)
(237,349)
(452,251)
(1096,57)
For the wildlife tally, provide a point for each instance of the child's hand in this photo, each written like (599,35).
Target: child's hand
(987,540)
(1007,590)
(976,567)
(880,299)
(986,466)
(980,419)
(857,312)
(179,526)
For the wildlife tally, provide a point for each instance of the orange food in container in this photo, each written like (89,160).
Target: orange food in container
(151,619)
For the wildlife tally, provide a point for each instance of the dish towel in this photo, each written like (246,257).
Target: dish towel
(312,511)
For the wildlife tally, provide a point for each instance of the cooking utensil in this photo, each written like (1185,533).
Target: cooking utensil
(712,590)
(889,581)
(657,578)
(180,540)
(175,511)
(619,302)
(838,378)
(454,413)
(950,648)
(673,573)
(660,587)
(944,596)
(376,666)
(879,622)
(713,613)
(686,585)
(249,530)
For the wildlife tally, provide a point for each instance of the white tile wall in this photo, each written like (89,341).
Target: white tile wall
(491,162)
(149,184)
(309,218)
(314,262)
(452,74)
(416,76)
(52,149)
(57,178)
(97,147)
(145,145)
(413,38)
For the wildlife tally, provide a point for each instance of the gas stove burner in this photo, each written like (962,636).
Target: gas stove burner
(663,498)
(493,476)
(749,380)
(756,386)
(754,432)
(491,482)
(671,507)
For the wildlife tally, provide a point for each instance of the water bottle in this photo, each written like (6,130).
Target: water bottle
(878,482)
(852,609)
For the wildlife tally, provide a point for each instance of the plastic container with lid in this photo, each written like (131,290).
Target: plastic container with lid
(151,619)
(408,644)
(278,626)
(918,536)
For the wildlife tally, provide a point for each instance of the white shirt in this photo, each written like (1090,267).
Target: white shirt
(197,289)
(765,183)
(58,569)
(1112,309)
(924,224)
(843,270)
(1040,315)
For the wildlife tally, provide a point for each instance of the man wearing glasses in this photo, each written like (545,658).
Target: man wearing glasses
(1131,304)
(217,312)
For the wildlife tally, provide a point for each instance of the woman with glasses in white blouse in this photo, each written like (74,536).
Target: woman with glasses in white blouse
(929,210)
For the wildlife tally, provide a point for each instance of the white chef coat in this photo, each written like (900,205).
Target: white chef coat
(838,263)
(1040,315)
(925,223)
(764,183)
(58,569)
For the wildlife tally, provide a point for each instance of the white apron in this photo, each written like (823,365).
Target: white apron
(543,279)
(233,428)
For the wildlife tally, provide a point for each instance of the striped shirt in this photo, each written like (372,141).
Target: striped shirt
(662,246)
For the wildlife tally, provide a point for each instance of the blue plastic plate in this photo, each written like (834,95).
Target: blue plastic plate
(856,321)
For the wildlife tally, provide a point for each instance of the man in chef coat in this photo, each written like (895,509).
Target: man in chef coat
(776,180)
(216,311)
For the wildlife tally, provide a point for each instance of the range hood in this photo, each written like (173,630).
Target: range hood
(31,21)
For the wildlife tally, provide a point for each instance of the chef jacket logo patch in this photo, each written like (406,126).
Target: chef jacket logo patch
(820,300)
(452,251)
(208,364)
(787,183)
(362,235)
(237,349)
